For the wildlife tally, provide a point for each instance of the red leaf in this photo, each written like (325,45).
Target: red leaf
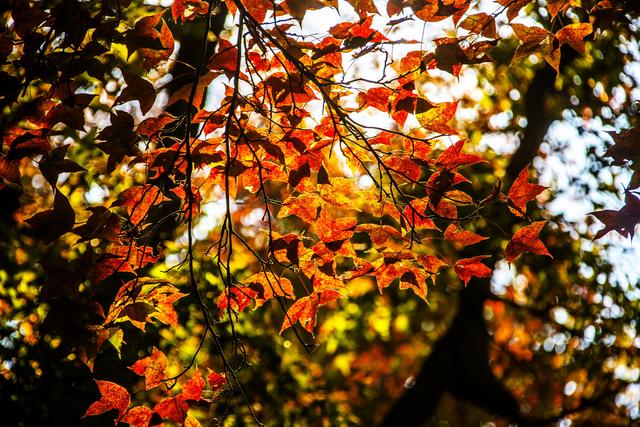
(138,200)
(216,381)
(526,240)
(173,408)
(192,389)
(112,396)
(152,368)
(453,157)
(431,263)
(236,299)
(138,416)
(464,237)
(471,267)
(522,192)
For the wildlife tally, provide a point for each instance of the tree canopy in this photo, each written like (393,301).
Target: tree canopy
(213,211)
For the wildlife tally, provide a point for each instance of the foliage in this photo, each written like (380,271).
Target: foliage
(291,171)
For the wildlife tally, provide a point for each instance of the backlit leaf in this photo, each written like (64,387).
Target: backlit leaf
(112,397)
(472,267)
(526,240)
(522,191)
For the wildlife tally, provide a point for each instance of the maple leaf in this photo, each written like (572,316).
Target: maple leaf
(54,163)
(415,214)
(379,234)
(236,299)
(119,138)
(535,40)
(574,34)
(162,299)
(480,23)
(622,221)
(431,263)
(173,408)
(268,285)
(9,170)
(436,118)
(305,310)
(453,157)
(49,225)
(526,240)
(513,7)
(416,280)
(438,10)
(304,207)
(112,397)
(456,234)
(556,7)
(471,267)
(626,147)
(363,7)
(522,191)
(138,416)
(192,388)
(139,200)
(152,368)
(216,381)
(332,230)
(137,89)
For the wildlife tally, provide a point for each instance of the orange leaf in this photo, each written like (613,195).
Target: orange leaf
(416,280)
(333,230)
(191,422)
(138,200)
(431,263)
(192,389)
(152,368)
(379,234)
(464,237)
(513,7)
(480,23)
(574,34)
(522,192)
(305,309)
(237,299)
(112,396)
(304,207)
(138,416)
(557,6)
(437,118)
(453,157)
(387,272)
(173,408)
(534,40)
(415,214)
(269,285)
(471,267)
(526,240)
